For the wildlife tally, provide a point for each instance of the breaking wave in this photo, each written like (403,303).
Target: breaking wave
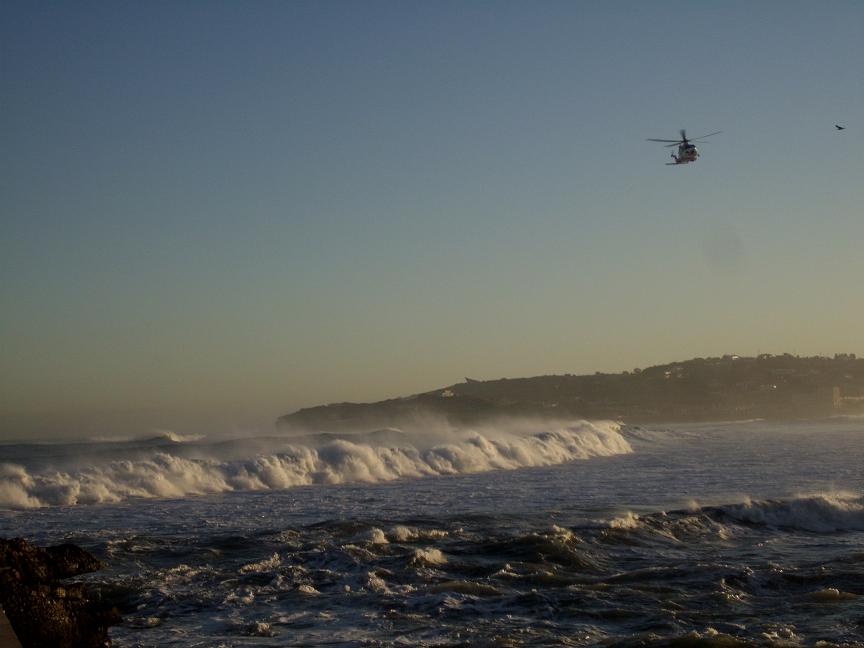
(158,436)
(819,513)
(823,513)
(165,474)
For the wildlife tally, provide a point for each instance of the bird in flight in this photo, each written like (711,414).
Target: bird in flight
(839,127)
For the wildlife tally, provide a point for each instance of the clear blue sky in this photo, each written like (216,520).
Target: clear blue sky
(214,213)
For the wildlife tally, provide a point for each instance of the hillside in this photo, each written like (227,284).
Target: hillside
(778,387)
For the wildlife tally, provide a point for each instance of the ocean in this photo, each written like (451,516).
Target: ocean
(519,533)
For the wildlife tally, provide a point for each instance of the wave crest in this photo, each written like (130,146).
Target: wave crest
(167,475)
(820,513)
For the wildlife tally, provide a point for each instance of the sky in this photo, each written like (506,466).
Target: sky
(214,213)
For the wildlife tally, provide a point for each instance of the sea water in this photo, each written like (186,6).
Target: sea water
(517,533)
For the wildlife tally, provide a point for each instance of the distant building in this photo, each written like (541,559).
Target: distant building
(846,402)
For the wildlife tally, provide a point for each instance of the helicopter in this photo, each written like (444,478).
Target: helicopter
(687,151)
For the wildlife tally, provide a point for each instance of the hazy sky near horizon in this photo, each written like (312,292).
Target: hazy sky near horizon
(213,213)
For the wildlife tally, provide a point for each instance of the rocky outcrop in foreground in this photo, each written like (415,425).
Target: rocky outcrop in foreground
(42,608)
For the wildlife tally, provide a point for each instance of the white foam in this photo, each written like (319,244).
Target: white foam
(627,521)
(401,533)
(821,513)
(308,589)
(266,565)
(376,536)
(376,584)
(16,486)
(562,534)
(429,557)
(167,475)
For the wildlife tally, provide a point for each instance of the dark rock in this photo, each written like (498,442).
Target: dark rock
(43,610)
(71,560)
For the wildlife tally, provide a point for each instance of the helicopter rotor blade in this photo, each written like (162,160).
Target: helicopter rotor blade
(683,135)
(661,140)
(708,135)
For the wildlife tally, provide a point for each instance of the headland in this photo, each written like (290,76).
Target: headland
(731,387)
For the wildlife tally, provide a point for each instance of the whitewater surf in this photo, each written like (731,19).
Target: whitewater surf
(582,533)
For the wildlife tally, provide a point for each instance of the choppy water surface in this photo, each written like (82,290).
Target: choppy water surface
(576,534)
